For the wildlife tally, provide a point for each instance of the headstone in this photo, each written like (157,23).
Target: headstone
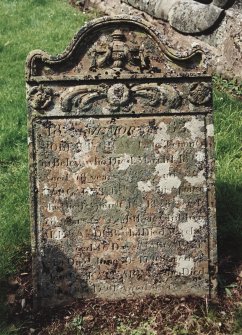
(121,167)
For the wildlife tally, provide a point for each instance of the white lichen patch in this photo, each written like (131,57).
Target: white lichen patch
(110,202)
(195,126)
(184,265)
(126,162)
(180,203)
(83,147)
(161,136)
(46,190)
(176,211)
(167,184)
(89,191)
(205,188)
(145,186)
(188,228)
(162,169)
(176,155)
(58,233)
(196,180)
(210,130)
(106,111)
(200,156)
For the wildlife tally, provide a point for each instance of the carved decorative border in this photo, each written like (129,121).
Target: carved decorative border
(119,95)
(40,56)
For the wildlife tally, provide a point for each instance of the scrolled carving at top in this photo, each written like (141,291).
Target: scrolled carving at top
(119,98)
(119,46)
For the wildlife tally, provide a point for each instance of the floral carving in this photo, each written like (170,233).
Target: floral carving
(165,95)
(40,97)
(200,93)
(120,97)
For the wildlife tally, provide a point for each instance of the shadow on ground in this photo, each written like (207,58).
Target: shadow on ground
(229,224)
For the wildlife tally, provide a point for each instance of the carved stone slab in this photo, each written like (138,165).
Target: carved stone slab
(121,167)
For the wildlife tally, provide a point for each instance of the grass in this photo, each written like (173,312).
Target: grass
(228,130)
(50,25)
(25,25)
(143,328)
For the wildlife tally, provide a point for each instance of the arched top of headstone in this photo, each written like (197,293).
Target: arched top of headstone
(112,47)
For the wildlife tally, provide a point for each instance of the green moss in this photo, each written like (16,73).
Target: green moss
(129,146)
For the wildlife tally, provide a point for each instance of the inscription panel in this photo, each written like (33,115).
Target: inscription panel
(121,167)
(124,201)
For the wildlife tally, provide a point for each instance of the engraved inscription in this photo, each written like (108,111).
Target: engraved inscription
(129,196)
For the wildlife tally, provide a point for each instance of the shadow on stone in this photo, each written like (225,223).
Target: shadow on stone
(60,282)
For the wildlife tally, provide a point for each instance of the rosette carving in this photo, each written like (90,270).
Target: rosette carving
(200,93)
(40,97)
(120,97)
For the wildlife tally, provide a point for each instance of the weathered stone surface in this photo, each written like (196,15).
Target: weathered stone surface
(121,167)
(187,16)
(193,17)
(238,4)
(227,44)
(222,44)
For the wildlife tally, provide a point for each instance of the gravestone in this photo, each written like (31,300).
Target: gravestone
(121,167)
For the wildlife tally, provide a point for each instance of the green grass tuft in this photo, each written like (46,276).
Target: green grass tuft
(228,132)
(25,25)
